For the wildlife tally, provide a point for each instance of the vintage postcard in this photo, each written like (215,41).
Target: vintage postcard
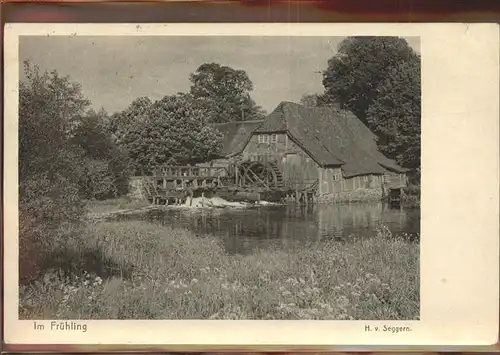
(251,184)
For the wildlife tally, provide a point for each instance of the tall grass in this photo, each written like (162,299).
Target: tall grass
(143,271)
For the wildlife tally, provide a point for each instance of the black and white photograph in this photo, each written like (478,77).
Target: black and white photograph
(219,177)
(239,184)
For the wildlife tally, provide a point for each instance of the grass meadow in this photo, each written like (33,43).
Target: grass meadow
(138,270)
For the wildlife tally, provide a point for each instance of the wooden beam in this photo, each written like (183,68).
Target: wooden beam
(262,181)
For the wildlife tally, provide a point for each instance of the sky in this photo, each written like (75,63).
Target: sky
(115,70)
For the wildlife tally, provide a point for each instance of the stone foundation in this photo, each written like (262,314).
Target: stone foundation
(358,195)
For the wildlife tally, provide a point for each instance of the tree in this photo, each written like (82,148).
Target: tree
(50,108)
(223,93)
(173,132)
(50,169)
(315,100)
(119,123)
(395,114)
(310,100)
(361,65)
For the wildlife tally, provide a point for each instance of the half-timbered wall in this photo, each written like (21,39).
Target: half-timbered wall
(296,165)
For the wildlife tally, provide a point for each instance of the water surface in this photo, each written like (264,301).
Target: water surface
(290,226)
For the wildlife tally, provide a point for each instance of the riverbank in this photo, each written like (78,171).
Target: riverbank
(99,210)
(104,207)
(137,270)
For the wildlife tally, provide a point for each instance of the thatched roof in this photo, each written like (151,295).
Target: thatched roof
(331,136)
(236,135)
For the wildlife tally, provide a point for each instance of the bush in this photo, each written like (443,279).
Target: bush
(106,165)
(99,181)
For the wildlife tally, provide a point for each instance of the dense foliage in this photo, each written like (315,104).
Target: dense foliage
(360,66)
(50,108)
(61,148)
(121,122)
(224,93)
(106,165)
(170,131)
(378,79)
(395,114)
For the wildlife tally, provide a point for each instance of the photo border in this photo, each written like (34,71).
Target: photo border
(63,18)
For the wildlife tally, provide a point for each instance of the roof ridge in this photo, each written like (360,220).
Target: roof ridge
(237,122)
(283,120)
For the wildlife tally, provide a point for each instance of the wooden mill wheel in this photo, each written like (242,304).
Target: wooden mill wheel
(256,174)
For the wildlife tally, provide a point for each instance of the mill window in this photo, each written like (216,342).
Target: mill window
(274,138)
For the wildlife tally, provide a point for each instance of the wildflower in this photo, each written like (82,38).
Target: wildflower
(343,301)
(302,281)
(286,293)
(98,280)
(194,281)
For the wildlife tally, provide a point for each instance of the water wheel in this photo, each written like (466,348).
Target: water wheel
(256,174)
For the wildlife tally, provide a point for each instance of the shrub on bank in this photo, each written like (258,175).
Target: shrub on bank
(411,196)
(152,272)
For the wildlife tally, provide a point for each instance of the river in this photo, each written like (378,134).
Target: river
(282,227)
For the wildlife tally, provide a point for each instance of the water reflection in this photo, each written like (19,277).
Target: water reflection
(290,226)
